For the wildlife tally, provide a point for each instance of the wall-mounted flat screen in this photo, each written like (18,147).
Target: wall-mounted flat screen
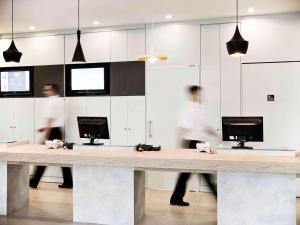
(16,81)
(87,79)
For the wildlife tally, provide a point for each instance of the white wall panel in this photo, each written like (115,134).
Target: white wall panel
(48,50)
(179,41)
(39,121)
(166,89)
(166,95)
(119,46)
(230,74)
(74,107)
(272,37)
(24,119)
(99,107)
(136,44)
(210,73)
(136,120)
(43,50)
(281,117)
(7,115)
(96,47)
(119,116)
(27,47)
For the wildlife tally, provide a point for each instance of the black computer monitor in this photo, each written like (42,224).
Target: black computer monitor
(93,128)
(242,129)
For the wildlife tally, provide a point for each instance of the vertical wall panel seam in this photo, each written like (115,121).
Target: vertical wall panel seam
(110,40)
(241,85)
(200,62)
(110,120)
(64,84)
(220,72)
(146,88)
(127,45)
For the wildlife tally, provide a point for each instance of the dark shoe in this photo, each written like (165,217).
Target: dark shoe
(65,186)
(32,184)
(179,203)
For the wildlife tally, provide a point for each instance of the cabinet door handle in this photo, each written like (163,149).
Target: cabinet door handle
(150,129)
(129,129)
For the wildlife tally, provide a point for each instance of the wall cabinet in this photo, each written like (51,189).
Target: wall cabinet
(211,73)
(166,95)
(136,44)
(18,124)
(44,50)
(96,47)
(119,47)
(84,106)
(220,74)
(7,123)
(48,50)
(230,77)
(281,117)
(180,41)
(272,37)
(39,117)
(127,120)
(127,79)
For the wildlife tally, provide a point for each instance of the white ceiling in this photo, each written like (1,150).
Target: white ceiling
(48,15)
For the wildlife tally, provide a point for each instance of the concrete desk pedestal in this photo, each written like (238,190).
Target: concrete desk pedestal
(108,195)
(14,187)
(256,198)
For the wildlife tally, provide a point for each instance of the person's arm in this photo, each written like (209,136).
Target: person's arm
(179,136)
(49,115)
(212,132)
(47,129)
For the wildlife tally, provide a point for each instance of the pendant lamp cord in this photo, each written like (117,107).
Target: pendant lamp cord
(153,35)
(12,20)
(78,13)
(237,11)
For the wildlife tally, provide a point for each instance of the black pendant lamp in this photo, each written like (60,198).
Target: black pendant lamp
(12,54)
(237,46)
(78,54)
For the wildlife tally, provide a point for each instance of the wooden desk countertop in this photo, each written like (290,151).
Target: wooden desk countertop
(168,160)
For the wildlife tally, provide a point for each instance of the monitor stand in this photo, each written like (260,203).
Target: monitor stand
(92,142)
(241,145)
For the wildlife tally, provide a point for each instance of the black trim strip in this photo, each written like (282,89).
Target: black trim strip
(270,62)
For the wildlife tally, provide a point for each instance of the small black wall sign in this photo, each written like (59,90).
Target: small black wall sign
(271,98)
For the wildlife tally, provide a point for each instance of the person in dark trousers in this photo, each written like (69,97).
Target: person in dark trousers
(192,129)
(54,121)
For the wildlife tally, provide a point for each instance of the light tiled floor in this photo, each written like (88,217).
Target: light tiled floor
(50,205)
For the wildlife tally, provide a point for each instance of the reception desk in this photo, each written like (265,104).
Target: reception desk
(109,184)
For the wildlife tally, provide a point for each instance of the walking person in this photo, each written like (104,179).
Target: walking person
(52,129)
(192,129)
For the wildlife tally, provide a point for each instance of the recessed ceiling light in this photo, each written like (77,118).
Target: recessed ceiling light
(168,17)
(251,10)
(96,22)
(31,27)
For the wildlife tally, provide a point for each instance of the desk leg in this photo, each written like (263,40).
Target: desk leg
(256,198)
(14,192)
(108,195)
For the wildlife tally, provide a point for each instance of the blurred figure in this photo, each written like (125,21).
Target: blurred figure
(192,129)
(54,121)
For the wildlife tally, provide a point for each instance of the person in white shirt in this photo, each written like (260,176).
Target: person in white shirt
(193,129)
(54,121)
